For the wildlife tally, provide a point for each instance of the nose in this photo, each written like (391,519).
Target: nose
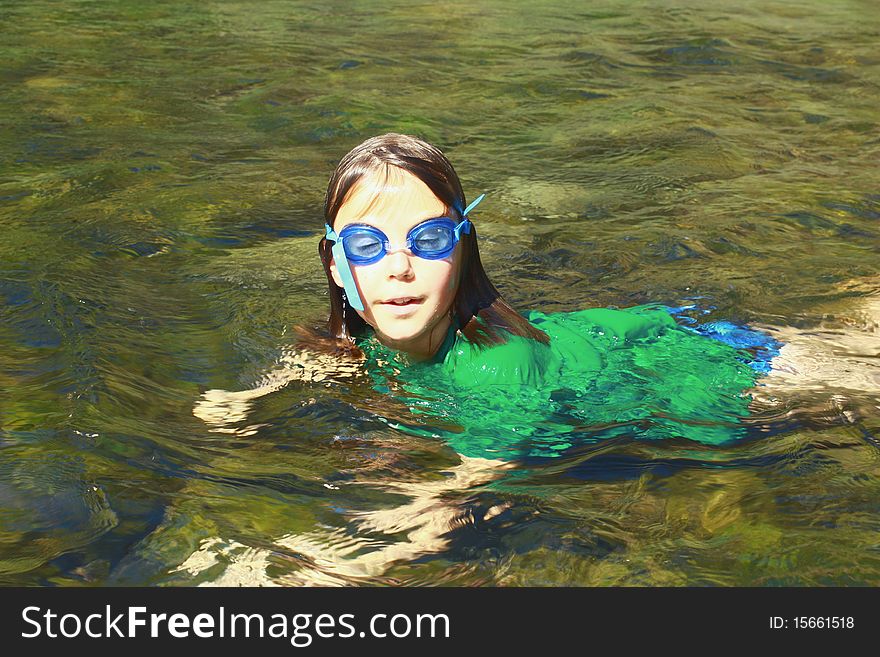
(398,264)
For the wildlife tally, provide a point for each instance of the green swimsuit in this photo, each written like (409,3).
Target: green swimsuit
(605,373)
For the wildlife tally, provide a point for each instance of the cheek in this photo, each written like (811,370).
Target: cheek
(441,277)
(368,281)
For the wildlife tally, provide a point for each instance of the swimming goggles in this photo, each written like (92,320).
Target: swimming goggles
(360,244)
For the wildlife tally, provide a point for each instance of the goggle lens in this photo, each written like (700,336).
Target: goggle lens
(362,245)
(434,241)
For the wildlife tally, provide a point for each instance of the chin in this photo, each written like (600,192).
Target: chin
(401,330)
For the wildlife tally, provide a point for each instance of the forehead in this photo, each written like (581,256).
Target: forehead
(392,200)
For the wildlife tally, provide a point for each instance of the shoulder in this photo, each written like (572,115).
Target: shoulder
(578,341)
(519,360)
(582,338)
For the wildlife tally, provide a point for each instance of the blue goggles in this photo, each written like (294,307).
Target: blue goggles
(433,239)
(360,244)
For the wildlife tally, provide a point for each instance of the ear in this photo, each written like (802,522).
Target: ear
(334,272)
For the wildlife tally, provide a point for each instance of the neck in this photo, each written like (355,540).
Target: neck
(423,347)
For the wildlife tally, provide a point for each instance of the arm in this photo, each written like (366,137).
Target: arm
(222,408)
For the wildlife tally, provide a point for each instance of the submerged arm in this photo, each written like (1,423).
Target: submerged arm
(222,408)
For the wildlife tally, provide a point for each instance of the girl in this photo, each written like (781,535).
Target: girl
(412,309)
(409,296)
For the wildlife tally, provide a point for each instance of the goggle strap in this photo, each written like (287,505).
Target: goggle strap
(348,283)
(473,204)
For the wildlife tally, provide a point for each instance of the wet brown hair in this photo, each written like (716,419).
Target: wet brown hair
(483,315)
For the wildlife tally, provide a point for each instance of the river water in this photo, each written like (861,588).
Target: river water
(162,173)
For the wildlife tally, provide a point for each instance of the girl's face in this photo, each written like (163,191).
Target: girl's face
(406,299)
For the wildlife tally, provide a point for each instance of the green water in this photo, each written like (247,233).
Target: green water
(163,167)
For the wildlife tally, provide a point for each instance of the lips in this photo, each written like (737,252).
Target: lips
(403,301)
(402,306)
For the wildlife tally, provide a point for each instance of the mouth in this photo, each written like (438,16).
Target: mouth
(403,301)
